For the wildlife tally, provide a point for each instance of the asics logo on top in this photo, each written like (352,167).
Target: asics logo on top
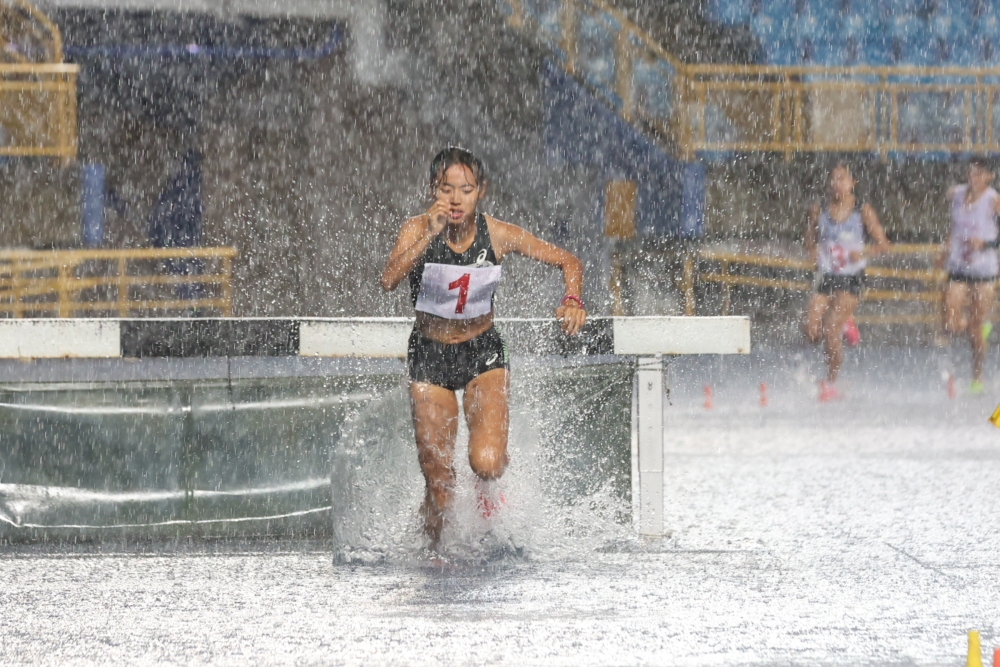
(481,260)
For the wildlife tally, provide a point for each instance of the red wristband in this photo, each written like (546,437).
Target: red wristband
(570,297)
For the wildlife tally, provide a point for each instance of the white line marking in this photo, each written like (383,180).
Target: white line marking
(180,522)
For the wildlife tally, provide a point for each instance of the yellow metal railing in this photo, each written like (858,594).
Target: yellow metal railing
(723,108)
(28,35)
(38,110)
(37,90)
(68,283)
(729,269)
(860,109)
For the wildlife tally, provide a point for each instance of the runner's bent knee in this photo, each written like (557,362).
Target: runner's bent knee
(488,462)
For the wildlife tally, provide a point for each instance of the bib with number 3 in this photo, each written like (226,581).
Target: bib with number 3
(457,292)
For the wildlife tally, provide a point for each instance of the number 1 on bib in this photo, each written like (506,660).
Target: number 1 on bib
(462,285)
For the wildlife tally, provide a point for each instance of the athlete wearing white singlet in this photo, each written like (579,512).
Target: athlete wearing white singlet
(971,261)
(972,221)
(840,253)
(835,238)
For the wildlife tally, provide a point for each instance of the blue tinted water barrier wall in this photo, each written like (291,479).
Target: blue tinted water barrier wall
(228,426)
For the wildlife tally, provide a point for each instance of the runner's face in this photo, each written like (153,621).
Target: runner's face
(459,190)
(979,178)
(841,183)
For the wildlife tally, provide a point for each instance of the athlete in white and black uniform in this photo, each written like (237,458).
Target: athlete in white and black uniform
(835,239)
(840,252)
(452,256)
(456,285)
(971,261)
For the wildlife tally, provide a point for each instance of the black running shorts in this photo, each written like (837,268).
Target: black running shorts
(831,283)
(963,278)
(454,366)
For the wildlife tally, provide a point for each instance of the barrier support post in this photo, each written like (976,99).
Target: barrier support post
(647,424)
(687,285)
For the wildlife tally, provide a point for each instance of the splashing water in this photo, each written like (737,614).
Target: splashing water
(556,500)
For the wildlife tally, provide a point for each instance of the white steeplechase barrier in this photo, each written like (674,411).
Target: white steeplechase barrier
(648,339)
(651,339)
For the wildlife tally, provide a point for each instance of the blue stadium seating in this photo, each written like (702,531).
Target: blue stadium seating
(829,54)
(869,10)
(808,27)
(963,33)
(652,84)
(961,10)
(728,12)
(777,8)
(987,25)
(876,51)
(967,53)
(769,28)
(901,7)
(991,52)
(595,48)
(950,27)
(854,27)
(906,28)
(546,13)
(832,33)
(923,53)
(829,11)
(782,52)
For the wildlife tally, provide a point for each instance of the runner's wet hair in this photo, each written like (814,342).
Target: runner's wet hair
(455,155)
(982,162)
(841,164)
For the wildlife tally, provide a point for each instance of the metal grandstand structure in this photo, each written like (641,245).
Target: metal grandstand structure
(711,111)
(37,89)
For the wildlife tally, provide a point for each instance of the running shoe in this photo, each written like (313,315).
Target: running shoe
(976,388)
(851,333)
(827,392)
(489,503)
(987,330)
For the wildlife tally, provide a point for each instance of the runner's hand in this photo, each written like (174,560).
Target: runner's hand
(437,217)
(571,317)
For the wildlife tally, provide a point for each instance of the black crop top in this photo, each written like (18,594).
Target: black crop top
(480,253)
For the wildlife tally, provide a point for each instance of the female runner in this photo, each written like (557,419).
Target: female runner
(451,255)
(971,262)
(835,240)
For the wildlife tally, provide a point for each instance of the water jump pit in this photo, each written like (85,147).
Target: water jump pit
(861,532)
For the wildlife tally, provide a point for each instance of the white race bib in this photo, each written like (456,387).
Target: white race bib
(457,292)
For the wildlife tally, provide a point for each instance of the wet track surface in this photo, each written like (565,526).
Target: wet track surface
(859,533)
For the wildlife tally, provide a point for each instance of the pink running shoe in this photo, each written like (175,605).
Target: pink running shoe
(827,392)
(488,503)
(851,333)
